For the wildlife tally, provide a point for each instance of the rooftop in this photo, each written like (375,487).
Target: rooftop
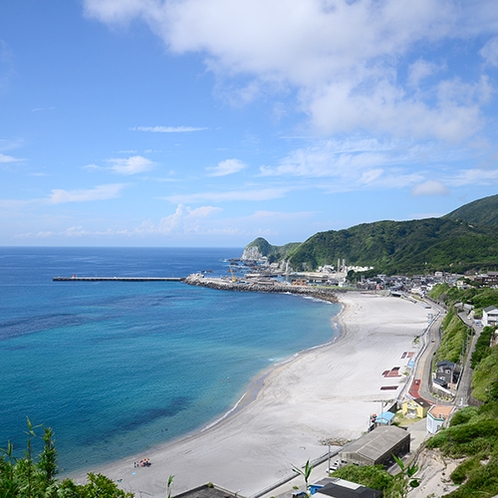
(208,491)
(441,411)
(377,442)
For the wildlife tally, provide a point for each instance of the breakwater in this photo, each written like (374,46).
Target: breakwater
(118,279)
(324,293)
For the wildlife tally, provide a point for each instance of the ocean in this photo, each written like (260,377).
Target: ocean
(116,368)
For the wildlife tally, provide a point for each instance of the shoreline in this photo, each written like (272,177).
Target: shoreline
(289,408)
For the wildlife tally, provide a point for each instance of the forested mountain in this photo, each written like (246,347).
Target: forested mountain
(261,247)
(481,212)
(465,239)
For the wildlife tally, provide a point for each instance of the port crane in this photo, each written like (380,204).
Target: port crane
(234,279)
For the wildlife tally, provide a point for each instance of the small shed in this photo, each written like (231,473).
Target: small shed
(417,407)
(377,447)
(385,418)
(437,416)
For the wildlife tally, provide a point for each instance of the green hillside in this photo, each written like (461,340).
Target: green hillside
(273,253)
(481,212)
(465,239)
(403,246)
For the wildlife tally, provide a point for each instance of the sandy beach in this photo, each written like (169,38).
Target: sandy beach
(326,393)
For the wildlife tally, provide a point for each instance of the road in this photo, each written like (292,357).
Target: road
(423,366)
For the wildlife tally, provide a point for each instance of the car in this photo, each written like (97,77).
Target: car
(334,466)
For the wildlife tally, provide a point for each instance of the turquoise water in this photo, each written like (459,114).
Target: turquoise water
(116,368)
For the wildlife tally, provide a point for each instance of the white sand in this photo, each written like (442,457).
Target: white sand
(328,392)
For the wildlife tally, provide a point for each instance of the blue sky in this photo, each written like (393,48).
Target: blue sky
(213,122)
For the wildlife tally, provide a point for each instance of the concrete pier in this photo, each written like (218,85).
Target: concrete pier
(118,279)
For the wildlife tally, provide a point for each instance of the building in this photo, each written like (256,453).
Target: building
(208,491)
(448,372)
(340,488)
(417,407)
(490,316)
(437,416)
(385,418)
(377,447)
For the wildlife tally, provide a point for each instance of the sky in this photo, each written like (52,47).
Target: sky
(208,123)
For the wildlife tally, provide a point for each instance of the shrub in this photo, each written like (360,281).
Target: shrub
(463,416)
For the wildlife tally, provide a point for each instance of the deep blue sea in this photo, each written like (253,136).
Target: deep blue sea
(115,368)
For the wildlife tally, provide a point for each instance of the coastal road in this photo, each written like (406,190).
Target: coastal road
(433,337)
(423,365)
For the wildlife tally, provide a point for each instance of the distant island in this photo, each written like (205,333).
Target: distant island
(465,240)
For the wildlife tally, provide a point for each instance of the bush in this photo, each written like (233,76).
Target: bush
(371,476)
(463,416)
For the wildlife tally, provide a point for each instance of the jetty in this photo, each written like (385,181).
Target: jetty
(74,278)
(323,293)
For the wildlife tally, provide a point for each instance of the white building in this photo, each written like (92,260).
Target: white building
(490,316)
(437,416)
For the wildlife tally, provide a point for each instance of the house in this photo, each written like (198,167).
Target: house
(340,488)
(448,372)
(490,316)
(377,447)
(437,416)
(417,407)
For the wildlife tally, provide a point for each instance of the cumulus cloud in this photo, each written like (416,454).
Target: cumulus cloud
(227,167)
(99,193)
(185,219)
(429,187)
(344,81)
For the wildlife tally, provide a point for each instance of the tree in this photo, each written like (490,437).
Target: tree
(35,476)
(305,472)
(403,481)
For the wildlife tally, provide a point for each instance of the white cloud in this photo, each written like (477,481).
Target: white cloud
(344,81)
(227,167)
(71,232)
(168,129)
(131,165)
(490,52)
(99,193)
(430,188)
(351,161)
(8,159)
(185,219)
(254,194)
(420,70)
(474,177)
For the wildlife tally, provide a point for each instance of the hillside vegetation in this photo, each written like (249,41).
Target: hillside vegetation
(473,431)
(481,212)
(261,247)
(454,339)
(465,239)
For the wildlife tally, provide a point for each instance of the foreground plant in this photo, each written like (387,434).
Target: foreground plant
(34,476)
